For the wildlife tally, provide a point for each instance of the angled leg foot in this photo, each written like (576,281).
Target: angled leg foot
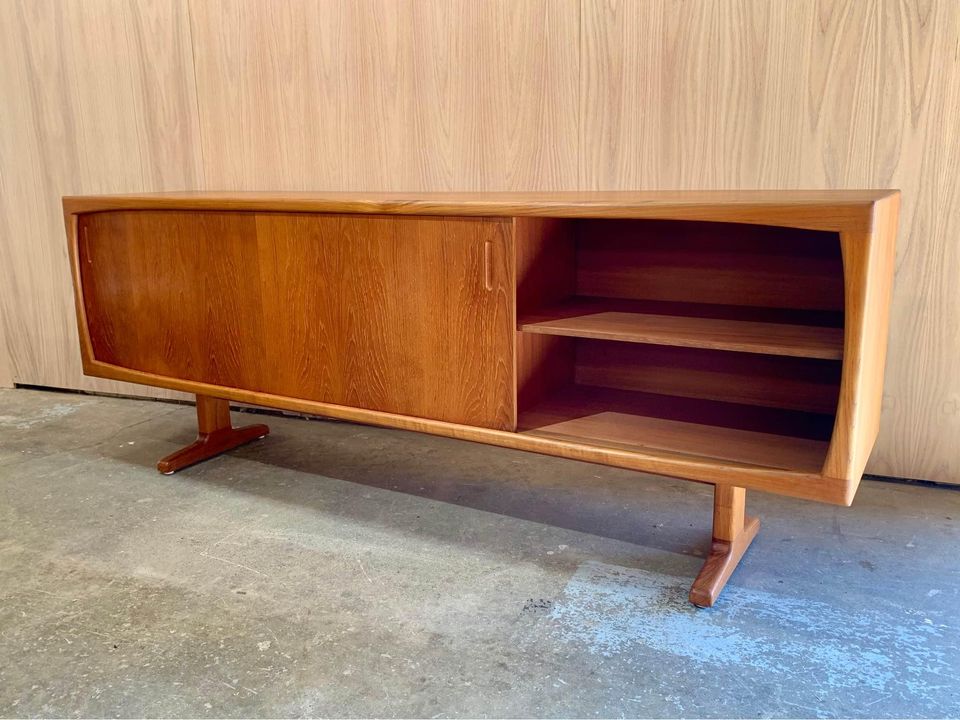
(216,435)
(733,532)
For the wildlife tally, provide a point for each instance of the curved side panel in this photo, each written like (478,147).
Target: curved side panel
(868,263)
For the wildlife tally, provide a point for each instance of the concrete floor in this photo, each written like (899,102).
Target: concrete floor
(336,569)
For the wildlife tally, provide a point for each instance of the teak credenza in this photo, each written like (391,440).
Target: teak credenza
(733,338)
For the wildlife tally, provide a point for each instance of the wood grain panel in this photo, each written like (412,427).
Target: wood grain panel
(634,420)
(411,316)
(545,251)
(694,332)
(98,97)
(840,94)
(706,262)
(174,294)
(641,433)
(793,383)
(6,371)
(870,271)
(583,400)
(387,94)
(300,260)
(420,329)
(829,210)
(921,407)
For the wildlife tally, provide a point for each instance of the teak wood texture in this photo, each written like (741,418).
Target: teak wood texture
(215,435)
(534,322)
(398,315)
(710,333)
(733,531)
(402,311)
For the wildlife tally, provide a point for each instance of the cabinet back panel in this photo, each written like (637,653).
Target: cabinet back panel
(744,378)
(707,262)
(405,315)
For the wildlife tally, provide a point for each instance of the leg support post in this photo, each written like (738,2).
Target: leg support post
(215,435)
(733,532)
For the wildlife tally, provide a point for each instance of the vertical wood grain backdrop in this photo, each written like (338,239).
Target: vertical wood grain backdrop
(141,95)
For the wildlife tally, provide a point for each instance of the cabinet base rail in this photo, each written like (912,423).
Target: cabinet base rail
(733,530)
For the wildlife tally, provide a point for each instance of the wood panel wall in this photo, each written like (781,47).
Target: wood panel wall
(98,96)
(111,96)
(6,372)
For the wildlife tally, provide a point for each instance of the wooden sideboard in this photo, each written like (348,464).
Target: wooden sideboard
(733,338)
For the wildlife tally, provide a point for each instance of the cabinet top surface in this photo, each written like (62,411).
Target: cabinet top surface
(825,208)
(520,202)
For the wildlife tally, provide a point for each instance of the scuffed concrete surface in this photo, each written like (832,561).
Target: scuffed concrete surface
(336,569)
(821,659)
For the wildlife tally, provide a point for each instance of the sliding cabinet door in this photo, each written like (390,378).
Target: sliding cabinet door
(406,315)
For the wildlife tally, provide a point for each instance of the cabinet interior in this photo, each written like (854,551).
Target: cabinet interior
(701,339)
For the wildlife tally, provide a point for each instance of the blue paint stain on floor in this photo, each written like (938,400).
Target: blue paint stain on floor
(870,655)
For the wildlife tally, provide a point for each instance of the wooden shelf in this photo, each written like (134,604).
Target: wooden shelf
(644,422)
(608,321)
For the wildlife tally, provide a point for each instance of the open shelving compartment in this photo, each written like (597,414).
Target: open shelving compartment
(706,340)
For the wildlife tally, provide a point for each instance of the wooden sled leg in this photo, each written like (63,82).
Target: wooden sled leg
(216,435)
(733,532)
